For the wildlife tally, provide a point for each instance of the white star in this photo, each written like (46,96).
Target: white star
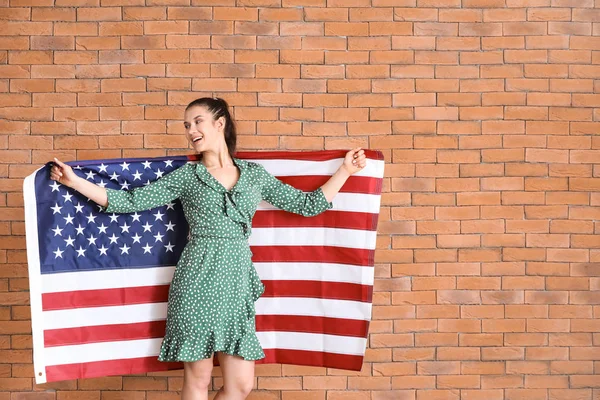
(79,208)
(102,183)
(58,253)
(57,231)
(80,230)
(136,238)
(113,239)
(169,247)
(78,167)
(171,206)
(91,218)
(158,237)
(55,186)
(137,175)
(147,182)
(147,164)
(67,197)
(158,216)
(70,241)
(80,252)
(102,228)
(124,166)
(158,173)
(114,218)
(170,226)
(103,168)
(124,185)
(56,209)
(124,228)
(92,240)
(68,219)
(114,176)
(147,227)
(100,208)
(125,249)
(147,248)
(103,250)
(168,163)
(136,217)
(90,175)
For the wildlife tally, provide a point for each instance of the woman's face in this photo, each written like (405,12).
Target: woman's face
(201,129)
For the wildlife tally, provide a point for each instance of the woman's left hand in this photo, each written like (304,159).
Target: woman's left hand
(354,161)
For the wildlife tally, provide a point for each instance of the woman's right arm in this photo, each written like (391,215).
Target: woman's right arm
(64,174)
(157,193)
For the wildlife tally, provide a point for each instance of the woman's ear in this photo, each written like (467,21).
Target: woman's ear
(221,124)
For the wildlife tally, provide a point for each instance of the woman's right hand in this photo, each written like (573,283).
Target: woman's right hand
(62,173)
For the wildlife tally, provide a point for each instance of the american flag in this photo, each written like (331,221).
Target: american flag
(99,281)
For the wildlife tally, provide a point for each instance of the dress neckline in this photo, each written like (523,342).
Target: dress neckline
(215,181)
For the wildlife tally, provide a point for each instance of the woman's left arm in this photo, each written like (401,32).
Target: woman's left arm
(288,198)
(354,161)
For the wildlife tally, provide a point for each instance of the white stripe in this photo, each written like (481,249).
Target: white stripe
(93,316)
(107,279)
(286,167)
(35,279)
(103,351)
(351,238)
(151,347)
(352,202)
(312,342)
(129,314)
(327,272)
(136,277)
(313,307)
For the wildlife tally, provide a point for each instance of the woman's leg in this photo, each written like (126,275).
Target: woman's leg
(196,379)
(238,377)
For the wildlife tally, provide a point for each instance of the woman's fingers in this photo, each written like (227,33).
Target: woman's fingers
(58,170)
(59,163)
(359,158)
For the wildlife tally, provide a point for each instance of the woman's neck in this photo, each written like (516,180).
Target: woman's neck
(220,159)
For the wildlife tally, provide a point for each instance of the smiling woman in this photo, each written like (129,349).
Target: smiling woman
(211,306)
(206,121)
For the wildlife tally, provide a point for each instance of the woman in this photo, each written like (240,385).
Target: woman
(214,287)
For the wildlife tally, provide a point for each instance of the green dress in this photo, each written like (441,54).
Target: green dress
(215,284)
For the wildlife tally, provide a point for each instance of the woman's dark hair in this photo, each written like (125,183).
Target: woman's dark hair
(219,108)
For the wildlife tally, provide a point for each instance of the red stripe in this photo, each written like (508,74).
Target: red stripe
(151,364)
(308,324)
(105,297)
(104,333)
(354,184)
(318,254)
(312,358)
(107,368)
(320,155)
(329,219)
(156,329)
(160,294)
(319,290)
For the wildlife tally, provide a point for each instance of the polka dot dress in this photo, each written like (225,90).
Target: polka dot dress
(215,284)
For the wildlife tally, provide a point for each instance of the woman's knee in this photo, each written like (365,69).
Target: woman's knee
(241,387)
(198,373)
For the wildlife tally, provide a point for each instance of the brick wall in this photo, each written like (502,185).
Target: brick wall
(488,273)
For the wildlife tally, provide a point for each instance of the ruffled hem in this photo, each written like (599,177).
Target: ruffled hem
(194,349)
